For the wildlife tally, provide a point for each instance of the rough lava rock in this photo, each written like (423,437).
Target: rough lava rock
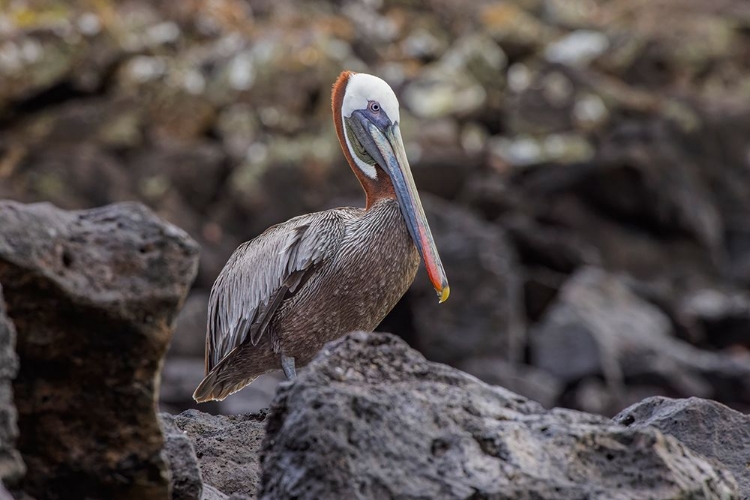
(704,426)
(598,328)
(12,467)
(227,448)
(593,324)
(402,427)
(93,295)
(185,476)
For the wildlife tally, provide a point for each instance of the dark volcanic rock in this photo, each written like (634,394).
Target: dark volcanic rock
(716,318)
(227,448)
(598,328)
(185,476)
(552,248)
(11,464)
(211,493)
(644,177)
(401,427)
(486,290)
(93,295)
(706,427)
(594,322)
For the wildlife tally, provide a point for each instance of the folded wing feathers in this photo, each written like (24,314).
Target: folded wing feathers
(261,273)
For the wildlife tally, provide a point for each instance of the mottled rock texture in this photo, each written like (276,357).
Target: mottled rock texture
(598,328)
(583,133)
(93,295)
(371,418)
(706,427)
(227,448)
(11,464)
(184,474)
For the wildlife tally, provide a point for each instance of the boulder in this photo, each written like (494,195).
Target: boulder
(185,476)
(595,322)
(93,295)
(598,328)
(643,176)
(550,247)
(717,318)
(371,418)
(11,465)
(211,493)
(706,427)
(486,303)
(227,448)
(642,203)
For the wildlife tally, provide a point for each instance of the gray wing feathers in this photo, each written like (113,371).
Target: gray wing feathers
(261,273)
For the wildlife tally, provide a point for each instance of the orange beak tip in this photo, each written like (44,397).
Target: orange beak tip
(443,294)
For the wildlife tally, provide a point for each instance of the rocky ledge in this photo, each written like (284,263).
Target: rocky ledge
(371,418)
(88,300)
(92,295)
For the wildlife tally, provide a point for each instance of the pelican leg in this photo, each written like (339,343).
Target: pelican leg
(287,364)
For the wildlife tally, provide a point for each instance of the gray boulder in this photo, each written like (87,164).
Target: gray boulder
(598,328)
(371,418)
(185,476)
(706,427)
(227,448)
(717,318)
(93,295)
(486,301)
(11,465)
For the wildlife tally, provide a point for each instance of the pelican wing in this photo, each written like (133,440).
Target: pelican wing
(261,273)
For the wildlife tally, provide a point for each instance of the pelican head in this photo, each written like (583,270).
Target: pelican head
(366,115)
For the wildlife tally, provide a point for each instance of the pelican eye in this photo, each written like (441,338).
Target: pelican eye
(373,106)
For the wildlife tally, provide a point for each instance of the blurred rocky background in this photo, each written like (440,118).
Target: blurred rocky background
(585,167)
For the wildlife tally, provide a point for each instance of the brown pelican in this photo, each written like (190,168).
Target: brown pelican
(310,280)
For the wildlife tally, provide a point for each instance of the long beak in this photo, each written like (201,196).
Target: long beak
(385,145)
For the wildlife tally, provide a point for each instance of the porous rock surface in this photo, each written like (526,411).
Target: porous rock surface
(704,426)
(371,418)
(228,449)
(598,328)
(185,475)
(93,295)
(11,464)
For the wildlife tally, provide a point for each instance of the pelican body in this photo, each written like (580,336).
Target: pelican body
(310,280)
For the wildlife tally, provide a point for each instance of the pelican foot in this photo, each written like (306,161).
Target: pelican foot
(287,364)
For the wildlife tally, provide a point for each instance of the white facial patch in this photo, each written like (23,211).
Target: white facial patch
(363,88)
(360,90)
